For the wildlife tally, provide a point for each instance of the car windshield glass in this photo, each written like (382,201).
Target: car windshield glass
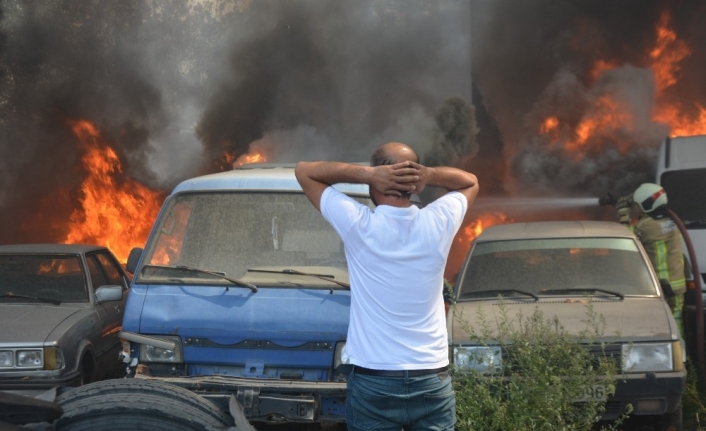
(687,201)
(545,266)
(231,232)
(46,277)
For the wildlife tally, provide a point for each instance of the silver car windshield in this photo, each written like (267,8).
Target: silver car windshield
(231,232)
(558,266)
(42,277)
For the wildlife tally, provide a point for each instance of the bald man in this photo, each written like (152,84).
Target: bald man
(397,341)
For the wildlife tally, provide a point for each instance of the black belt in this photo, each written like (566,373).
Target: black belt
(397,373)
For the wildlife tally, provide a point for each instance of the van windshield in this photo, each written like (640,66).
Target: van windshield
(231,232)
(686,198)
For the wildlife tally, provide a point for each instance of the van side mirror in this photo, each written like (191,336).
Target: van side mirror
(133,258)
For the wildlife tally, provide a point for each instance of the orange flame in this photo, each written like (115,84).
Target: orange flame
(466,235)
(245,159)
(472,230)
(115,212)
(607,116)
(667,54)
(168,248)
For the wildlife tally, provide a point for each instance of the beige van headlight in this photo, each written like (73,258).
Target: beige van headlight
(647,357)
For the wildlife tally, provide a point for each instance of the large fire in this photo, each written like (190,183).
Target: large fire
(606,115)
(115,211)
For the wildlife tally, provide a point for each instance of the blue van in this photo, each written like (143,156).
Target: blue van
(241,297)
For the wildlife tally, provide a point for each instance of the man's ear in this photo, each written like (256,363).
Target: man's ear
(371,192)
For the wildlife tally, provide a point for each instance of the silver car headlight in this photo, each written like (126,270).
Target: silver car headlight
(484,359)
(48,358)
(7,358)
(30,358)
(149,353)
(647,357)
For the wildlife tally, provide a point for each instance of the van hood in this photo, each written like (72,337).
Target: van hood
(632,319)
(285,316)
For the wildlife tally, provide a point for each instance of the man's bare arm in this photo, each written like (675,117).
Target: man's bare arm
(314,177)
(452,179)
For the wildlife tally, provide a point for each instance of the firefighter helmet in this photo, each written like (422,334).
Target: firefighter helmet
(650,197)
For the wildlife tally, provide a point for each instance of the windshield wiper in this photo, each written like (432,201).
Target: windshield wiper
(584,289)
(326,277)
(496,292)
(9,295)
(235,281)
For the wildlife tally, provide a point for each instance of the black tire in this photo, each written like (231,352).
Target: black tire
(176,394)
(132,411)
(87,369)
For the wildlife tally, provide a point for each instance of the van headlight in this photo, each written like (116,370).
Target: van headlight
(483,359)
(150,353)
(647,357)
(340,357)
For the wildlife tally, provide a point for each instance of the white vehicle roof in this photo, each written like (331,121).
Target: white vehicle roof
(554,229)
(258,177)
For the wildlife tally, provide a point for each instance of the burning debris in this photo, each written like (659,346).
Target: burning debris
(196,87)
(569,98)
(583,104)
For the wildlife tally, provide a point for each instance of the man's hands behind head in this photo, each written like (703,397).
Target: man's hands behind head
(394,180)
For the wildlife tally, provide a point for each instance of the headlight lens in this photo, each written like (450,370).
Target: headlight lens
(149,353)
(7,358)
(484,359)
(340,357)
(48,358)
(641,358)
(29,358)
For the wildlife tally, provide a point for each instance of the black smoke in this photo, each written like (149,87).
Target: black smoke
(335,79)
(173,86)
(534,59)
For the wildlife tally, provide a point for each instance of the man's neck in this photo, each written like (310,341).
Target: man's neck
(395,201)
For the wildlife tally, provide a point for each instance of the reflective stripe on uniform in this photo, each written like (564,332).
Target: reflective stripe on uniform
(661,267)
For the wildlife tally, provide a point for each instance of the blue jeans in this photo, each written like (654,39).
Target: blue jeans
(391,403)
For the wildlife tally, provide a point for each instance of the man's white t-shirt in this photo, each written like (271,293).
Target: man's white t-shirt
(396,259)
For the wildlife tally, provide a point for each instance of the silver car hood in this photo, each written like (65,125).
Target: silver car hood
(31,323)
(632,319)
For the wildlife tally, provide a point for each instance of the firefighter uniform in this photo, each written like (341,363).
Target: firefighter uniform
(646,215)
(663,243)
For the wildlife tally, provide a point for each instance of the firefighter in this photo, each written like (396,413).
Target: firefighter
(645,212)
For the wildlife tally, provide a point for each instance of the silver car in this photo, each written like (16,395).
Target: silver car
(61,309)
(554,267)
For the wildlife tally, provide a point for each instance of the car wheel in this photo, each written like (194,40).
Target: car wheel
(176,394)
(131,411)
(86,370)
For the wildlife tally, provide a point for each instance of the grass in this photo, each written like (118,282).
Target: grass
(694,400)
